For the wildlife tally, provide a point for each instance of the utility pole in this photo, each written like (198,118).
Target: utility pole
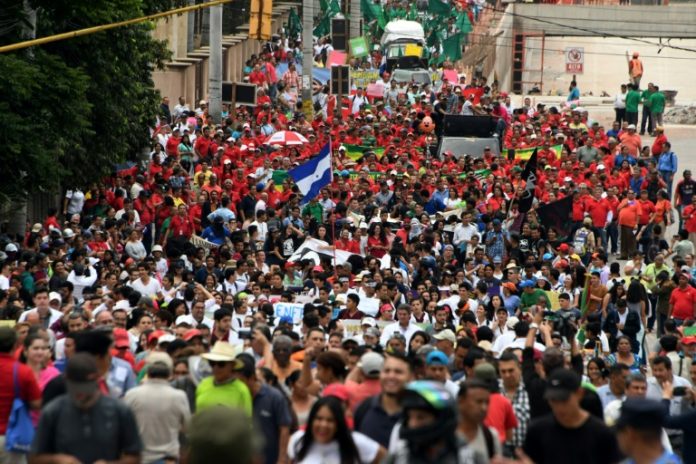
(355,18)
(307,54)
(191,25)
(215,65)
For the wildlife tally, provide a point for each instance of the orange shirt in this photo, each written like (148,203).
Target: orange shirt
(629,213)
(633,143)
(662,208)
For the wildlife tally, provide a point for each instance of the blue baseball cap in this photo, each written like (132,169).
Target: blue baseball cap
(547,257)
(526,283)
(286,320)
(436,358)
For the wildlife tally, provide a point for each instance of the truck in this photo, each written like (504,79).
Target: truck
(399,41)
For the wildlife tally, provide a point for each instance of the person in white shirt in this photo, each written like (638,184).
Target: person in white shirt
(128,206)
(5,274)
(73,203)
(197,316)
(403,325)
(47,315)
(662,372)
(463,233)
(357,101)
(261,225)
(522,331)
(180,108)
(620,104)
(161,265)
(145,284)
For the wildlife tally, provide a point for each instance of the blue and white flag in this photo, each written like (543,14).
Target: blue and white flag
(313,175)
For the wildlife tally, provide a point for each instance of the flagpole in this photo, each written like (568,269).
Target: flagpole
(333,215)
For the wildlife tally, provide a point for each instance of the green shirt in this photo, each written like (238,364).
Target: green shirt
(531,299)
(315,210)
(632,101)
(645,97)
(234,394)
(657,102)
(651,271)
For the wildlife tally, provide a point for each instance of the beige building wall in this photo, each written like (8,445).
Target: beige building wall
(187,73)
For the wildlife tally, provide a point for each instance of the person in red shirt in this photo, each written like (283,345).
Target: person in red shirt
(173,143)
(257,76)
(682,301)
(181,225)
(346,244)
(14,376)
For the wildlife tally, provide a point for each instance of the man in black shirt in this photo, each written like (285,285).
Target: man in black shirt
(84,425)
(570,434)
(552,360)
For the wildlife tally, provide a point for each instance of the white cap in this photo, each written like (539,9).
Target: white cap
(600,166)
(567,179)
(55,296)
(166,338)
(631,126)
(157,248)
(368,321)
(122,304)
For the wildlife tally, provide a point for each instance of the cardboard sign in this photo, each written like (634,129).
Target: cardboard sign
(337,58)
(293,310)
(451,75)
(375,90)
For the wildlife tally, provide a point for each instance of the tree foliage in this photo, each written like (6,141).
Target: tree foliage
(72,109)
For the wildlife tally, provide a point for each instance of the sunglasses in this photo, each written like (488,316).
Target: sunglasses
(217,363)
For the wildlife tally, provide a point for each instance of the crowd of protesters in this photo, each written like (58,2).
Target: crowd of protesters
(437,322)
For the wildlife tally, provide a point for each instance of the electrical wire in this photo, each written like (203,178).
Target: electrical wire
(591,31)
(527,47)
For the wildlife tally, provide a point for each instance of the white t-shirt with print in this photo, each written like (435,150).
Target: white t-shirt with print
(329,453)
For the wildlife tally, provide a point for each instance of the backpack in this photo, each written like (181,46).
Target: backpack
(653,250)
(488,437)
(580,241)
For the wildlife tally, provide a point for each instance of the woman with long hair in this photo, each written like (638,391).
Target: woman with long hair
(418,339)
(597,372)
(37,355)
(377,244)
(328,439)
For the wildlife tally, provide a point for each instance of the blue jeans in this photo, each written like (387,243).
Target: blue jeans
(668,176)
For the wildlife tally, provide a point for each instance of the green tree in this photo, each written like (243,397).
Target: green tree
(86,103)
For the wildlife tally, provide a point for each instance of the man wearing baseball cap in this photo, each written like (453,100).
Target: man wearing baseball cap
(363,380)
(569,430)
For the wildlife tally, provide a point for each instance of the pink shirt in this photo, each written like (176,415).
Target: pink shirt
(359,392)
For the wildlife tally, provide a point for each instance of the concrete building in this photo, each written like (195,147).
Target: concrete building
(186,75)
(533,42)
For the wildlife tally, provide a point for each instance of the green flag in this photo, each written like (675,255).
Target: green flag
(334,8)
(433,39)
(412,12)
(294,23)
(463,23)
(358,47)
(452,48)
(373,12)
(439,8)
(356,152)
(323,28)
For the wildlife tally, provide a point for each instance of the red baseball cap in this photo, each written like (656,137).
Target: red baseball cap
(192,333)
(121,338)
(154,336)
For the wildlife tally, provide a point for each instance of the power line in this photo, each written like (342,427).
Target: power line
(105,27)
(592,31)
(586,52)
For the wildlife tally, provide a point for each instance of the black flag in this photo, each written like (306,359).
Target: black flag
(530,177)
(557,215)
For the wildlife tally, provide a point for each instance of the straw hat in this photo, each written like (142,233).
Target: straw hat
(223,352)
